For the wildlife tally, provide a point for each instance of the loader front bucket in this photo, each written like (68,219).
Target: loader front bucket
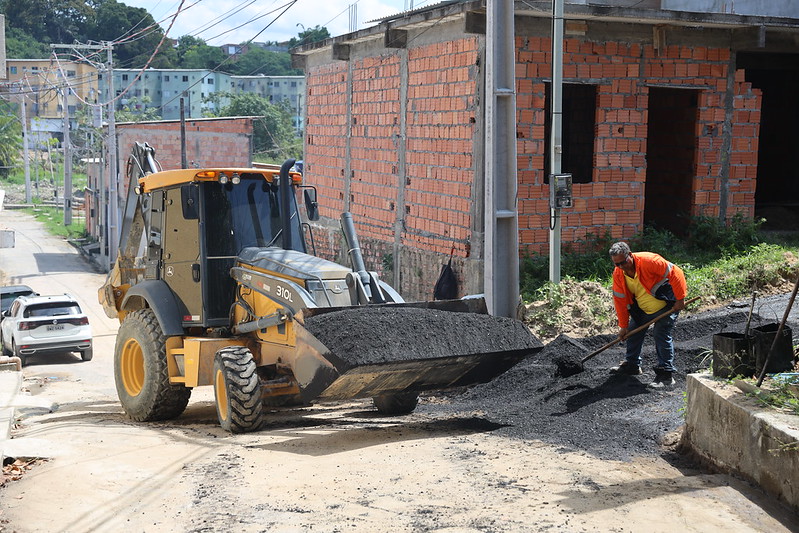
(365,351)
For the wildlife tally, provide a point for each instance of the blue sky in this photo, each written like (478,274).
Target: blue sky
(216,21)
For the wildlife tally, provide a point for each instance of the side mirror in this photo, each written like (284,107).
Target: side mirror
(311,206)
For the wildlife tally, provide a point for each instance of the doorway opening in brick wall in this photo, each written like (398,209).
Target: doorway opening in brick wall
(670,151)
(777,189)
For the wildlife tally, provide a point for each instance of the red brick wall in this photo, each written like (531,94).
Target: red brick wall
(373,147)
(354,148)
(614,201)
(423,182)
(223,142)
(441,119)
(743,152)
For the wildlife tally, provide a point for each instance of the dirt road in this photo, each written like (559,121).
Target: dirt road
(451,466)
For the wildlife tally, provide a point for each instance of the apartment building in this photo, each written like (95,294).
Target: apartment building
(162,89)
(43,84)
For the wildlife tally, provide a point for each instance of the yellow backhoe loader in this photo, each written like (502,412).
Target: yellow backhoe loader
(214,284)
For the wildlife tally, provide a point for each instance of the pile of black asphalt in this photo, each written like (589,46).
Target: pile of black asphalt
(379,334)
(594,410)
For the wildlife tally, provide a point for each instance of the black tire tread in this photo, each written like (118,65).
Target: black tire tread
(243,389)
(158,399)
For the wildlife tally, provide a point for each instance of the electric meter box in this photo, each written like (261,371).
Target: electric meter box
(560,190)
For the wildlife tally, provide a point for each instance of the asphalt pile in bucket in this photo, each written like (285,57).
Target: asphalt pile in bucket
(377,334)
(609,416)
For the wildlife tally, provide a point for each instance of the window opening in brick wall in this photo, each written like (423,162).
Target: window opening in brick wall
(670,158)
(579,121)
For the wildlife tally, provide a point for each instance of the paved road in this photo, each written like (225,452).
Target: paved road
(51,266)
(326,468)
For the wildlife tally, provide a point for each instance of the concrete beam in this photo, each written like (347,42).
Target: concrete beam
(341,52)
(395,38)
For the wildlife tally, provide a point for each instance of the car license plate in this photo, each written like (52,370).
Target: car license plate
(55,327)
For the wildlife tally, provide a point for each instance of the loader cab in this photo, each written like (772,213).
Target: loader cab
(197,230)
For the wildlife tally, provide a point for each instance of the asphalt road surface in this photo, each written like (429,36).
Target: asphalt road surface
(328,468)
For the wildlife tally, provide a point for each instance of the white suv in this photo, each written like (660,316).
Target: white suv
(46,324)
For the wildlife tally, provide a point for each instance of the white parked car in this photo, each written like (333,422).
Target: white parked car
(46,324)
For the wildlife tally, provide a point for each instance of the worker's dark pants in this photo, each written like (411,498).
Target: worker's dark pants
(661,331)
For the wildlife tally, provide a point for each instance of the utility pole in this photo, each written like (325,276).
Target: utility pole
(25,155)
(556,137)
(501,270)
(113,202)
(67,161)
(113,177)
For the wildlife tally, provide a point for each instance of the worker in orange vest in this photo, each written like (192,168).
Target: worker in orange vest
(645,285)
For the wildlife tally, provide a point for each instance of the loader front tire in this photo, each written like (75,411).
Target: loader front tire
(237,389)
(141,373)
(401,403)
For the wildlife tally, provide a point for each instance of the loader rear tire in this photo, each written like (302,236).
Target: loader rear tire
(237,389)
(141,373)
(401,403)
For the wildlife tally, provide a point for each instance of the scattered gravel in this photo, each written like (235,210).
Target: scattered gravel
(609,416)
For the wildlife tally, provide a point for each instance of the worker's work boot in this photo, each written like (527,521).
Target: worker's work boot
(663,379)
(627,369)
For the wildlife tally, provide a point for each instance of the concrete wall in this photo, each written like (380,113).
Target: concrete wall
(737,434)
(765,8)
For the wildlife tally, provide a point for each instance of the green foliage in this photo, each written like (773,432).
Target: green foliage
(53,220)
(192,52)
(113,19)
(259,61)
(10,140)
(136,110)
(708,250)
(21,45)
(781,394)
(310,35)
(585,260)
(48,21)
(730,276)
(274,134)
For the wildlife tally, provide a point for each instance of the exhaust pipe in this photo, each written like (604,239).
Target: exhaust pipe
(285,202)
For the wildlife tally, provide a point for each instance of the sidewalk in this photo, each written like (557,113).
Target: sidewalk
(15,403)
(10,383)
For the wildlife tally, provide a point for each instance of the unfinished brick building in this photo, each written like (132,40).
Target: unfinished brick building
(666,115)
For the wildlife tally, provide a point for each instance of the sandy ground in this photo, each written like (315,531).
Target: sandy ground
(327,468)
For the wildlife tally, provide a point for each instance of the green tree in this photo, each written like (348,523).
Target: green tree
(310,35)
(137,110)
(273,133)
(202,57)
(49,21)
(22,45)
(140,35)
(259,61)
(10,139)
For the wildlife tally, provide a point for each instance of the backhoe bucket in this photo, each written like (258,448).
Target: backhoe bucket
(366,351)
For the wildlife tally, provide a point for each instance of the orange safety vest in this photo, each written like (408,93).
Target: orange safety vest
(653,272)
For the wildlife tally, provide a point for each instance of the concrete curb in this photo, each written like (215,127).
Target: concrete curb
(736,434)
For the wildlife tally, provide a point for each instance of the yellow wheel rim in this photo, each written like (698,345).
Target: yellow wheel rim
(221,394)
(132,367)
